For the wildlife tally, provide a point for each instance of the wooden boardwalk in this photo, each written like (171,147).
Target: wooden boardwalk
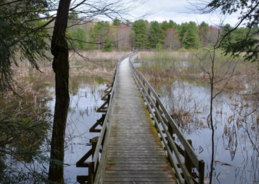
(134,153)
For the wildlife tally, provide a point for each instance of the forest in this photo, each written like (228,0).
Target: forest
(144,35)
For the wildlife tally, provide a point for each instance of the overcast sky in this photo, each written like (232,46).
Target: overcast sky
(179,11)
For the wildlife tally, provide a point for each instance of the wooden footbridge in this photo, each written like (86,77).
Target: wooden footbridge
(137,143)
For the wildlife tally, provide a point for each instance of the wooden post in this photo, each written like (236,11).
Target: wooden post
(157,112)
(170,130)
(91,173)
(108,100)
(187,160)
(91,166)
(94,143)
(201,172)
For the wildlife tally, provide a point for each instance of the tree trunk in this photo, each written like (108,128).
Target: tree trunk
(59,49)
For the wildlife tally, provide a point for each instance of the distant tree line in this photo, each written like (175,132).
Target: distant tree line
(144,35)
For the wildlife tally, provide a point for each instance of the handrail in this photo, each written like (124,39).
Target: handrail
(97,170)
(160,115)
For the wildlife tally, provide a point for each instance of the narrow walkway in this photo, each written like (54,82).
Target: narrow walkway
(135,154)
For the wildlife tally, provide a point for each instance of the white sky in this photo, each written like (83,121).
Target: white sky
(179,11)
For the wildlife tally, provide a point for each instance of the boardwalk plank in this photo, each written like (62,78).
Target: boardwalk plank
(134,152)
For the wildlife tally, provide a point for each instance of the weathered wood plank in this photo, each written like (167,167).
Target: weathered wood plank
(134,150)
(158,179)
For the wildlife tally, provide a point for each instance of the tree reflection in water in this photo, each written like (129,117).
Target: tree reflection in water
(236,129)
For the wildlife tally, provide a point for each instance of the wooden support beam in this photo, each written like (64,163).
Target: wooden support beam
(98,122)
(82,179)
(103,108)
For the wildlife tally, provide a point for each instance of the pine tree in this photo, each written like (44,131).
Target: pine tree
(78,38)
(155,32)
(164,27)
(108,45)
(140,34)
(203,32)
(90,42)
(191,37)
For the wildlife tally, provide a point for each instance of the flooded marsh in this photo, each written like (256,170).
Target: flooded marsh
(185,88)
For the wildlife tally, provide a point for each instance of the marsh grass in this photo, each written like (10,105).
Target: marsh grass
(25,117)
(195,64)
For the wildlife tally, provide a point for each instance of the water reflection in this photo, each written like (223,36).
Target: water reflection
(236,131)
(25,123)
(27,156)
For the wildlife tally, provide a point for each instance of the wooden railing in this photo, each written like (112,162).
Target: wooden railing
(96,166)
(186,165)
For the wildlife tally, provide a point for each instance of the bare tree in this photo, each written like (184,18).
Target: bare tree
(123,37)
(171,39)
(219,71)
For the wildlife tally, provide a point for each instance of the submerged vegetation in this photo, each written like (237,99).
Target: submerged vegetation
(26,119)
(183,80)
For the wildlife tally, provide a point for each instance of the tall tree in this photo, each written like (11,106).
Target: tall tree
(203,33)
(116,22)
(191,37)
(100,33)
(182,29)
(172,39)
(140,34)
(229,39)
(59,49)
(164,26)
(90,42)
(154,36)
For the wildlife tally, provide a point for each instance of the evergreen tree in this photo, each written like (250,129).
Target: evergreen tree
(172,24)
(22,31)
(108,45)
(90,42)
(229,38)
(73,15)
(78,38)
(182,29)
(164,27)
(116,22)
(203,32)
(100,33)
(140,34)
(191,37)
(154,36)
(248,46)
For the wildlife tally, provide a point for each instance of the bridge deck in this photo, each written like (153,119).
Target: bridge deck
(134,154)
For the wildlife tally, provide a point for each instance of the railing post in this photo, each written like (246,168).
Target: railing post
(91,166)
(108,100)
(201,172)
(187,160)
(90,173)
(94,142)
(170,130)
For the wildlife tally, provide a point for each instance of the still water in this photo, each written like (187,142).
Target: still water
(236,159)
(85,98)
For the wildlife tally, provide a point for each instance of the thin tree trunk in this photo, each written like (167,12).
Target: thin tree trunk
(59,49)
(211,114)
